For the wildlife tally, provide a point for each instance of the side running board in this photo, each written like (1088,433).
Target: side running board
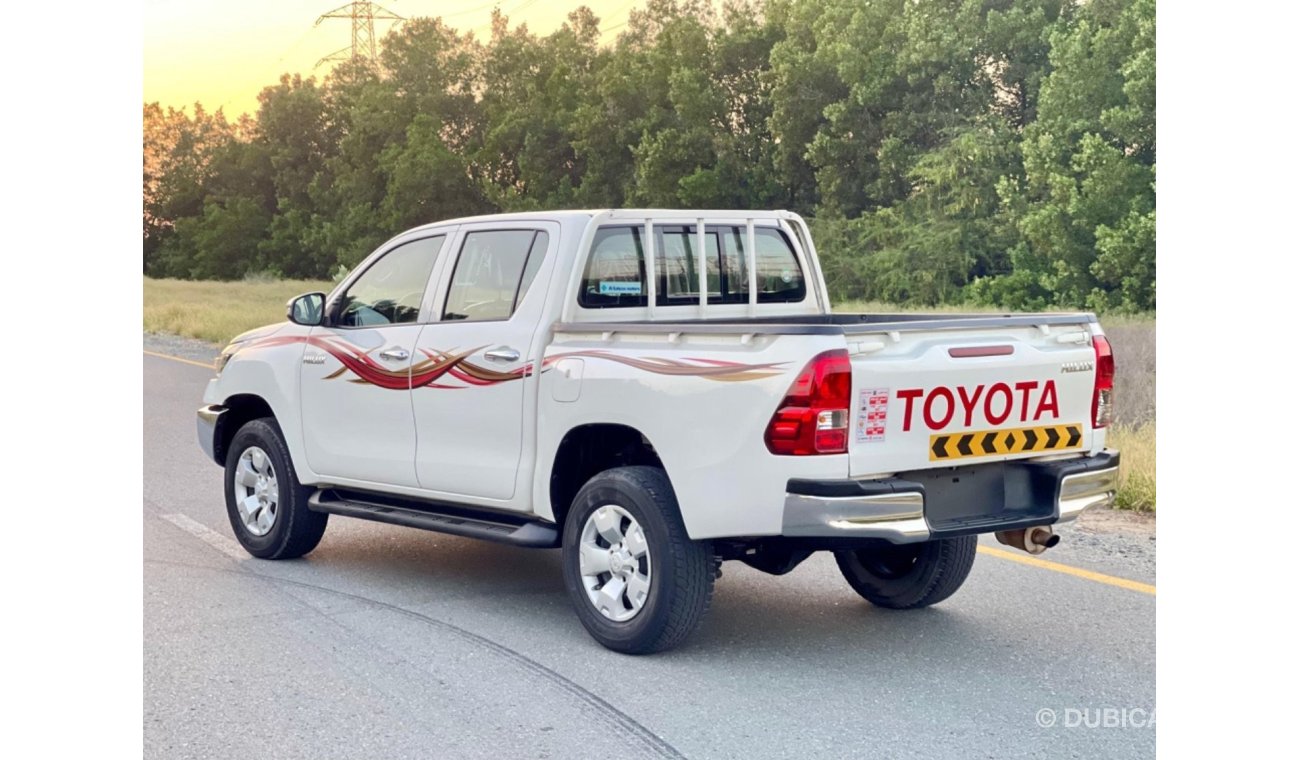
(442,518)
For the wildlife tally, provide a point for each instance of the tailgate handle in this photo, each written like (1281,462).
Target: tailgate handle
(970,352)
(865,346)
(1074,337)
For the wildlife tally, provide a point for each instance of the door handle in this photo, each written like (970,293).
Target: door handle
(395,354)
(502,354)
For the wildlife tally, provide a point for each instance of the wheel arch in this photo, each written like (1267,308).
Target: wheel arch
(241,409)
(589,449)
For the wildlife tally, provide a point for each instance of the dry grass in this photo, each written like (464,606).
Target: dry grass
(1134,346)
(1134,434)
(1137,466)
(218,311)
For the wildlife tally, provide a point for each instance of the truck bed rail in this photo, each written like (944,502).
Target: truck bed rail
(831,324)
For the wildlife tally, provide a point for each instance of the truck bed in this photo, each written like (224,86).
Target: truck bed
(928,390)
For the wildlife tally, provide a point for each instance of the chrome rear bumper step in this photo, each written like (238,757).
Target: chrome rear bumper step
(952,501)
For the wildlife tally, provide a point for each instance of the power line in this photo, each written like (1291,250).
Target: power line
(626,8)
(518,8)
(507,14)
(468,11)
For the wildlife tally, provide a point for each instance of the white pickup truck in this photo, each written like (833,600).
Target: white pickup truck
(654,392)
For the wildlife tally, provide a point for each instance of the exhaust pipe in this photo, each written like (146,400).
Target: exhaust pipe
(1035,540)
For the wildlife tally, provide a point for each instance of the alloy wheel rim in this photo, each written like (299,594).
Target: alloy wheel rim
(614,562)
(257,492)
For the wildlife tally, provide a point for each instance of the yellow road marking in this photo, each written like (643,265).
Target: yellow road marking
(205,365)
(1078,572)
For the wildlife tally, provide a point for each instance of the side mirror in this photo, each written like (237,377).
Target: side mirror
(307,309)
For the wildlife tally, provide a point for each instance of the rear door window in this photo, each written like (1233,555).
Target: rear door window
(493,273)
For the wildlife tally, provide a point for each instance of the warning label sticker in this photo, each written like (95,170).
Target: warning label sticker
(982,443)
(873,403)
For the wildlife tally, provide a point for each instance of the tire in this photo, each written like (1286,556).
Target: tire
(290,528)
(677,571)
(908,576)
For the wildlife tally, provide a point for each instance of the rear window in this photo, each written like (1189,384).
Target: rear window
(615,275)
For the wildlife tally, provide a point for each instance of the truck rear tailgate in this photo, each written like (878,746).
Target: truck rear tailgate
(949,395)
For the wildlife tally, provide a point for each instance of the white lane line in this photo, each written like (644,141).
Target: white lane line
(224,544)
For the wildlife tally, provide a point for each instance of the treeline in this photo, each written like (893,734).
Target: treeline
(994,151)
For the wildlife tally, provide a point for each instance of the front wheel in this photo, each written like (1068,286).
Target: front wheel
(637,581)
(908,576)
(266,504)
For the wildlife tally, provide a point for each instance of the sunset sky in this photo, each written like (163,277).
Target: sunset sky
(223,53)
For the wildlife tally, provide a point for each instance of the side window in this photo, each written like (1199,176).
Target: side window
(492,274)
(615,275)
(535,256)
(390,291)
(780,280)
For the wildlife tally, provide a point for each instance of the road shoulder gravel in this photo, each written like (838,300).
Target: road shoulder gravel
(185,348)
(1110,541)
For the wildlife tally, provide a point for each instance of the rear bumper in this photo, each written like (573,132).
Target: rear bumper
(951,501)
(209,422)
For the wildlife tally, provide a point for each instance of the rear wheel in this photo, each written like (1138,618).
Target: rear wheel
(908,576)
(637,581)
(266,504)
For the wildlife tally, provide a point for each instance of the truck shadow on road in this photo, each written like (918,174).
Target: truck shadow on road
(809,609)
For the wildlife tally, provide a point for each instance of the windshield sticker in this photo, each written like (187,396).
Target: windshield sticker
(608,288)
(873,403)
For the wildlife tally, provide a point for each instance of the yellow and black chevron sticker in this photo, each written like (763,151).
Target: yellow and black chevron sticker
(983,443)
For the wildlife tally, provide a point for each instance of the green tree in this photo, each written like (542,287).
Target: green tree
(348,191)
(945,150)
(910,114)
(215,245)
(1085,209)
(178,152)
(530,108)
(427,181)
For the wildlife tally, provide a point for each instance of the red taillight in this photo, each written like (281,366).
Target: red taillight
(1103,402)
(814,416)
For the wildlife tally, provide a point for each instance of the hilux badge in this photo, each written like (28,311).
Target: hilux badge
(1076,367)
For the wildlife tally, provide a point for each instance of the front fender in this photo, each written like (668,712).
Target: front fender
(267,366)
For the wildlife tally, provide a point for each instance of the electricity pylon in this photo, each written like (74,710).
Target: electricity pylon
(362,15)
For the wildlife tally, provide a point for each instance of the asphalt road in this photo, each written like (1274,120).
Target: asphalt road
(390,642)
